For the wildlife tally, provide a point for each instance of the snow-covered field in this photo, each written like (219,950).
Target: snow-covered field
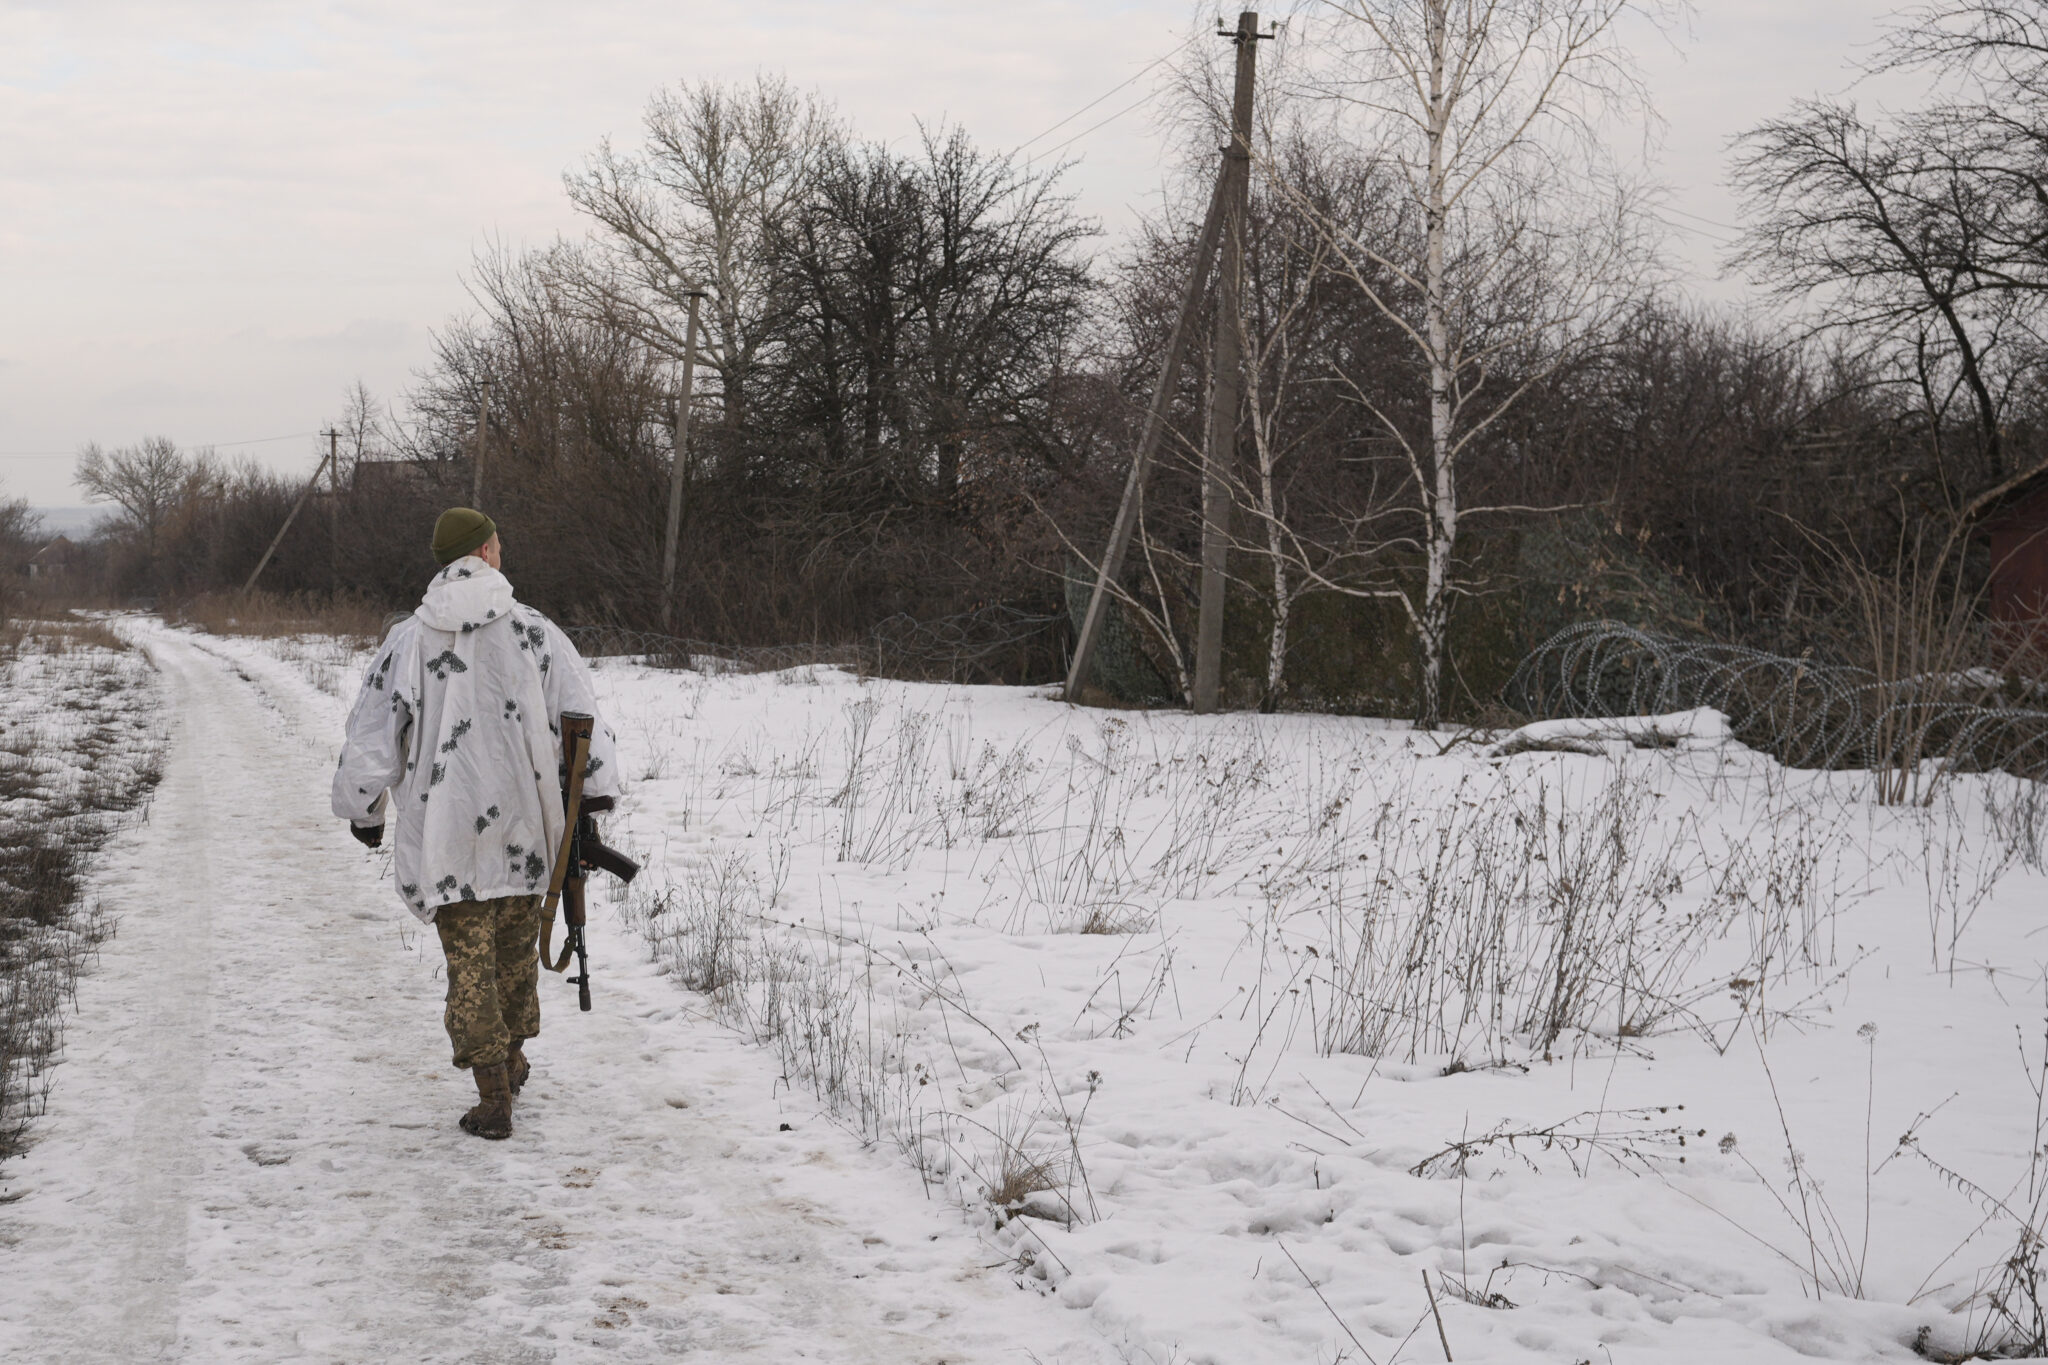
(1236,989)
(1232,1039)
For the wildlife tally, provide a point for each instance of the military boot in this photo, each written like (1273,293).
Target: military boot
(517,1067)
(492,1117)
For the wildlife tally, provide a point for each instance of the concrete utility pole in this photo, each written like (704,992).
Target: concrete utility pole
(1163,390)
(291,516)
(483,427)
(680,469)
(1219,454)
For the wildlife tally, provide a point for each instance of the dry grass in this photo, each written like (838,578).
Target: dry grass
(1024,1166)
(59,633)
(274,615)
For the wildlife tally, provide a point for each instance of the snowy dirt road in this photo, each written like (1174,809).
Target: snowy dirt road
(251,1152)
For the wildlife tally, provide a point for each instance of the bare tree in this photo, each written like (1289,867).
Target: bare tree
(999,289)
(20,528)
(720,175)
(144,480)
(362,425)
(20,525)
(1996,51)
(1518,247)
(1924,236)
(932,301)
(1879,229)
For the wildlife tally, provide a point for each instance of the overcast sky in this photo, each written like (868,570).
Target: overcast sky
(215,216)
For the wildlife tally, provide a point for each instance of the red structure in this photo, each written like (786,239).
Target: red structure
(2018,531)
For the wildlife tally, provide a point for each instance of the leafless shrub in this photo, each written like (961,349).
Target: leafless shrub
(2017,810)
(1959,869)
(1633,1139)
(1527,913)
(697,927)
(2006,1316)
(886,801)
(819,998)
(846,1015)
(1830,1255)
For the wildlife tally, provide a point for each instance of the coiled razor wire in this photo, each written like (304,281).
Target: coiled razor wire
(958,648)
(1805,712)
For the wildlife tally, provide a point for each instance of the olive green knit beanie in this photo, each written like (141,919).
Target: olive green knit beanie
(460,531)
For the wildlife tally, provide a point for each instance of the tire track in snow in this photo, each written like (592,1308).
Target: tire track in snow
(251,1155)
(156,1090)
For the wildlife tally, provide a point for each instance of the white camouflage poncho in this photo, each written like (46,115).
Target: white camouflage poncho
(459,717)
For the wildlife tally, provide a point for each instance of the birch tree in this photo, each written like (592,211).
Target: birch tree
(1518,244)
(1294,318)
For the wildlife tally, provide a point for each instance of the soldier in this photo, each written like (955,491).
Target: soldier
(457,721)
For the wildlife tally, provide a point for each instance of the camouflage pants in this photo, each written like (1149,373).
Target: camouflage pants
(493,975)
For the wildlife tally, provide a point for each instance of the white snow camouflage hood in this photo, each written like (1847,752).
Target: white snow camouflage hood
(459,717)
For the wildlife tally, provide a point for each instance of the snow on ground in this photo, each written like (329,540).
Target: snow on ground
(1253,1026)
(74,712)
(251,1152)
(1229,1086)
(80,743)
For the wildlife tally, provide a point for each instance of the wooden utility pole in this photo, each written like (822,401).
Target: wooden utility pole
(290,517)
(333,509)
(1226,392)
(483,427)
(680,468)
(1163,390)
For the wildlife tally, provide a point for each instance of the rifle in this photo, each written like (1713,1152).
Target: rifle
(582,851)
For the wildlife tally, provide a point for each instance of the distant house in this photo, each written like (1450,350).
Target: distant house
(54,561)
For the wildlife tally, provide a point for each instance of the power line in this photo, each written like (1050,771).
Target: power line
(1702,218)
(1146,99)
(1729,238)
(197,445)
(1120,85)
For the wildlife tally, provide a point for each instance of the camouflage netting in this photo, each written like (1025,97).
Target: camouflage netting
(1580,566)
(1122,668)
(1357,654)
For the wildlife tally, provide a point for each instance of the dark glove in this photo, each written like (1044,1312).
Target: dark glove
(370,837)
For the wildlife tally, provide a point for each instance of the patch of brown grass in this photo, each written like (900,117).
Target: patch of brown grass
(1024,1167)
(60,634)
(274,615)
